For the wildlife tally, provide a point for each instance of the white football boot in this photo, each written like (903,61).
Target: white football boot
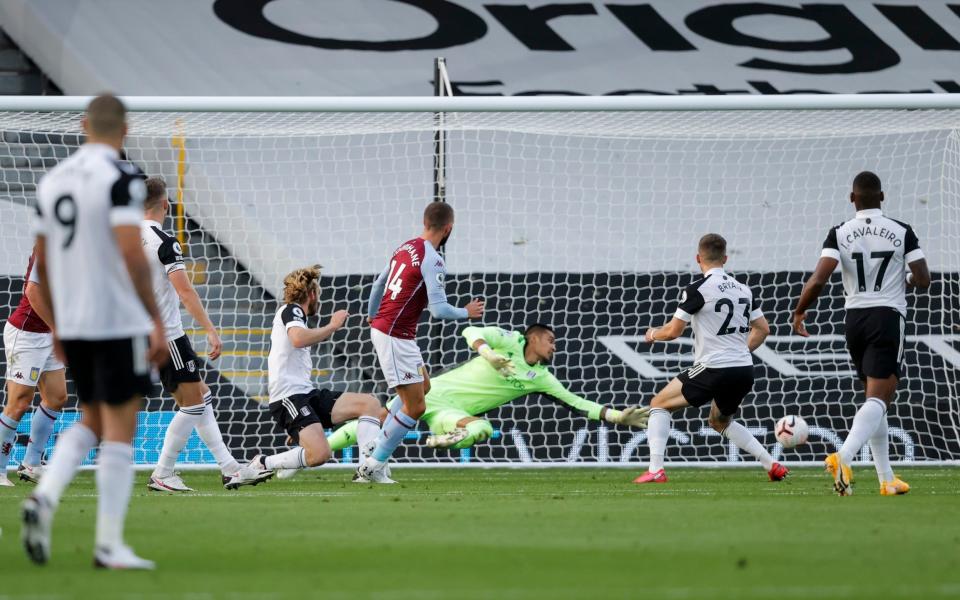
(365,452)
(28,473)
(170,483)
(37,515)
(373,471)
(247,475)
(256,463)
(5,481)
(120,558)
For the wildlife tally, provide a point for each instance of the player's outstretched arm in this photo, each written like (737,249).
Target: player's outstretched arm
(485,341)
(437,302)
(446,311)
(301,337)
(191,301)
(493,336)
(635,416)
(377,292)
(811,291)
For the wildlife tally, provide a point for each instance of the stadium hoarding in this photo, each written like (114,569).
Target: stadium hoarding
(511,47)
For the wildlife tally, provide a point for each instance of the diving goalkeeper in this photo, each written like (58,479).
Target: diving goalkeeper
(509,365)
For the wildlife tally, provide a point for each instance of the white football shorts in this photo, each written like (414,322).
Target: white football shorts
(29,354)
(400,360)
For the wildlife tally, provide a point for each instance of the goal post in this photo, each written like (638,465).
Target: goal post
(579,212)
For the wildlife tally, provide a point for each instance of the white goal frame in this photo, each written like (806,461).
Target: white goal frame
(493,104)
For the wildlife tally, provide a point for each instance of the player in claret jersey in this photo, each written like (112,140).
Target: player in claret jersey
(411,282)
(31,364)
(874,252)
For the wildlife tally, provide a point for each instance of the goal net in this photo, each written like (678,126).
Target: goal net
(585,220)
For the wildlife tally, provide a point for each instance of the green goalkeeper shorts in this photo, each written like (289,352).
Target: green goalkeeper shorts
(443,419)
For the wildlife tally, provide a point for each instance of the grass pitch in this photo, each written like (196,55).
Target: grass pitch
(504,534)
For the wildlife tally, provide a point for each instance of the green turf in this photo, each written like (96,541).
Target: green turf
(502,534)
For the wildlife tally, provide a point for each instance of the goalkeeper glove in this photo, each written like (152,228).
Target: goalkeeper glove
(498,361)
(635,416)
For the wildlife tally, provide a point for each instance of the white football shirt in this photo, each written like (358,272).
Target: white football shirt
(165,256)
(288,368)
(874,252)
(78,203)
(720,309)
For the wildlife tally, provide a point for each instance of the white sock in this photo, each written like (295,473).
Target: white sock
(865,423)
(41,426)
(393,432)
(291,459)
(368,428)
(178,432)
(8,437)
(880,449)
(209,432)
(738,434)
(658,430)
(114,486)
(72,447)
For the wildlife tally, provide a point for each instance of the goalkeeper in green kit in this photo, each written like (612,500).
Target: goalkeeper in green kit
(509,365)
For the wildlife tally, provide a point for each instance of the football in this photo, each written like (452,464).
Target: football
(791,431)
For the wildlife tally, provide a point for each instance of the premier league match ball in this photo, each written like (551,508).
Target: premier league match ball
(791,431)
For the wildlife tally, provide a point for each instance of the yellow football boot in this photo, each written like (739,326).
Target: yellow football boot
(842,474)
(897,487)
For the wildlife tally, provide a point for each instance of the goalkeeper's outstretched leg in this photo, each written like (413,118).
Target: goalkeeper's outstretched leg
(344,437)
(451,429)
(456,431)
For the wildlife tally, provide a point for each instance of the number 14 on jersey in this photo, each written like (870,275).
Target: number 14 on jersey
(394,282)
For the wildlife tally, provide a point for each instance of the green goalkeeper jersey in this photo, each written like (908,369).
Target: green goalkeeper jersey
(475,387)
